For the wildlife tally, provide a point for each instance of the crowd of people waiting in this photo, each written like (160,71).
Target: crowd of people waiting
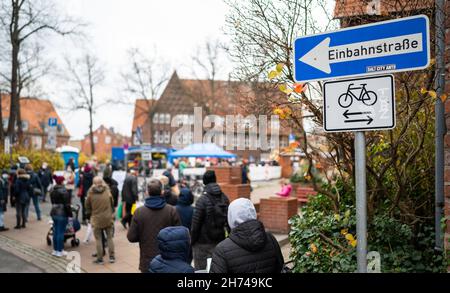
(171,231)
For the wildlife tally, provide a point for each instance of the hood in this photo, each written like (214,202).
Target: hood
(174,243)
(240,210)
(213,189)
(185,197)
(24,176)
(155,202)
(98,189)
(250,235)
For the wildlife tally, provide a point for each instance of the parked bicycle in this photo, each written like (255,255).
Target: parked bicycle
(369,98)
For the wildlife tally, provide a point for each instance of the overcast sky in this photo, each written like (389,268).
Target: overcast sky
(174,27)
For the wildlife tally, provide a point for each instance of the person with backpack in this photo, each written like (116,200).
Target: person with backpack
(209,222)
(3,199)
(174,246)
(61,212)
(148,220)
(85,184)
(22,194)
(38,191)
(249,248)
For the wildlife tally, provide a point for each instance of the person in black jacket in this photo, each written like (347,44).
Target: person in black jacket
(249,249)
(85,183)
(60,213)
(45,175)
(129,197)
(174,246)
(3,198)
(209,221)
(38,190)
(22,194)
(113,187)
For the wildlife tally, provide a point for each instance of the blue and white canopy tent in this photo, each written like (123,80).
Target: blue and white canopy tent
(202,150)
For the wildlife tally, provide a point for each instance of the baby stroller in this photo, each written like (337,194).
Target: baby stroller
(73,226)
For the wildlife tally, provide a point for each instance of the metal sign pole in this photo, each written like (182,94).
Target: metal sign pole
(361,201)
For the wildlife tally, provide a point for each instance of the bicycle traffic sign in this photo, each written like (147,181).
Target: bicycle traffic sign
(359,104)
(383,47)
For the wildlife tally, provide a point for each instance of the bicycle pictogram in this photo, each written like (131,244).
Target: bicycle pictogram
(369,98)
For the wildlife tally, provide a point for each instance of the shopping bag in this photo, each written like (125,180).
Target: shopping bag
(88,235)
(119,211)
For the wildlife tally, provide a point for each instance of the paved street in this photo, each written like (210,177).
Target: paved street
(13,264)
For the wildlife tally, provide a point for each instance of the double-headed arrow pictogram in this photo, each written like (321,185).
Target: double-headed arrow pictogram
(348,114)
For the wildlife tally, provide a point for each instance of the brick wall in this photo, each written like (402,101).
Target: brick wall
(447,137)
(275,212)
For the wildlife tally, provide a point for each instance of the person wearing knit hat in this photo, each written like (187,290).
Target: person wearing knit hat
(60,213)
(209,221)
(209,177)
(249,248)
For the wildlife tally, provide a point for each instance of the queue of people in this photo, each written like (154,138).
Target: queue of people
(174,236)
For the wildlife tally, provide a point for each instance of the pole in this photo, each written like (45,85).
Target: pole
(361,201)
(440,127)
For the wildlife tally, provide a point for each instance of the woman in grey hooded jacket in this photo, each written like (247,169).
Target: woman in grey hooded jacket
(249,249)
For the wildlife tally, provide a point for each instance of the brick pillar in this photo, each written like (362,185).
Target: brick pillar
(230,179)
(447,136)
(275,212)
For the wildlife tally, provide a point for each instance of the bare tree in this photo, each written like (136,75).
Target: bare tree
(144,79)
(263,34)
(208,62)
(84,76)
(21,21)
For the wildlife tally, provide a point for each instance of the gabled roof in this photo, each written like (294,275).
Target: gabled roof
(141,112)
(36,112)
(349,8)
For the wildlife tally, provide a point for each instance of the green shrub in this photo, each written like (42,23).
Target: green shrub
(36,158)
(323,241)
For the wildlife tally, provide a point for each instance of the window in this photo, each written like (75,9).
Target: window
(107,139)
(24,125)
(95,139)
(5,122)
(156,118)
(167,137)
(156,136)
(167,118)
(191,119)
(36,142)
(161,137)
(162,118)
(284,142)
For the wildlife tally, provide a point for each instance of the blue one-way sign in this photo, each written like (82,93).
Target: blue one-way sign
(389,46)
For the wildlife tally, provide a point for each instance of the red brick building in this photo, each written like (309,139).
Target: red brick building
(34,118)
(104,140)
(351,12)
(179,99)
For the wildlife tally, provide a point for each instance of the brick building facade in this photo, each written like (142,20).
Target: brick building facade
(179,99)
(34,118)
(104,140)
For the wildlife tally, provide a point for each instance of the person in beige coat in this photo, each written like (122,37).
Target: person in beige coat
(100,210)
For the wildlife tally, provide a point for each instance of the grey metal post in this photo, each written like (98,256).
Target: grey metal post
(440,127)
(361,201)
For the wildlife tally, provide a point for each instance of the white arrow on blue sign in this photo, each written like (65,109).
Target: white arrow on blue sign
(389,46)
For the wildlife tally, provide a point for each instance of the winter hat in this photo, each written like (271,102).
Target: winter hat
(240,210)
(58,179)
(209,177)
(87,168)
